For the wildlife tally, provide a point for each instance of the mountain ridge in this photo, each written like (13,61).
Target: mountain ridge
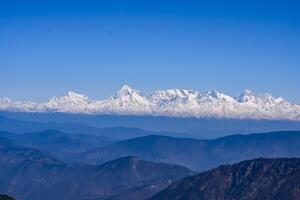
(173,102)
(29,173)
(270,179)
(199,154)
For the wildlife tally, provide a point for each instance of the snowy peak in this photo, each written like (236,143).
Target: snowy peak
(70,102)
(126,91)
(127,95)
(260,99)
(70,97)
(172,102)
(126,88)
(73,96)
(126,101)
(172,95)
(219,96)
(5,100)
(246,96)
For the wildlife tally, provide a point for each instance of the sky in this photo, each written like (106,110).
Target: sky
(94,47)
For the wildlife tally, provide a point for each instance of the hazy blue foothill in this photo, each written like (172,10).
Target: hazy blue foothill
(117,125)
(28,173)
(200,155)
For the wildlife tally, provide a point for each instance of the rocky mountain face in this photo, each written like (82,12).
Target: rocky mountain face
(173,102)
(269,179)
(200,154)
(32,174)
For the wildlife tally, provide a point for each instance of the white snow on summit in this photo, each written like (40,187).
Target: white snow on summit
(173,102)
(5,100)
(127,101)
(71,102)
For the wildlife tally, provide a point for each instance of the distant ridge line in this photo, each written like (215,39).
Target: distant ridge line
(171,103)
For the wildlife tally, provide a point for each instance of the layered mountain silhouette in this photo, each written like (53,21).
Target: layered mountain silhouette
(125,127)
(28,173)
(112,131)
(269,179)
(59,144)
(200,154)
(55,165)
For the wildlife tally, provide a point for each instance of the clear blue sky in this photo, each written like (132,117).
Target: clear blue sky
(94,47)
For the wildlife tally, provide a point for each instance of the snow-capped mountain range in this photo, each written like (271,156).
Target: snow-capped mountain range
(173,102)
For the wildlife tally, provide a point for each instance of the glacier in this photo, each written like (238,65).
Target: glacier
(172,103)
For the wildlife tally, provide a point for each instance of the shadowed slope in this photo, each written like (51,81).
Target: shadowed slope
(270,179)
